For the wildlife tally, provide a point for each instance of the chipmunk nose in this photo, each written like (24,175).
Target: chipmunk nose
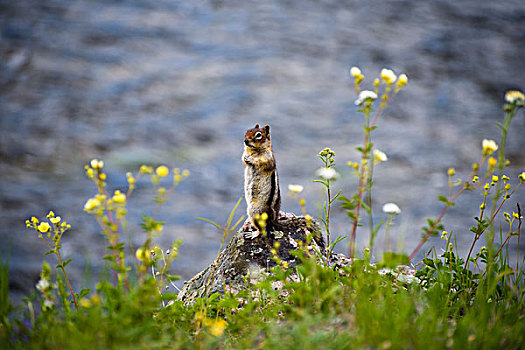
(246,142)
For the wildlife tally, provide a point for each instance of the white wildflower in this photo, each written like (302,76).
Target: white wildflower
(327,173)
(42,285)
(364,95)
(48,304)
(391,208)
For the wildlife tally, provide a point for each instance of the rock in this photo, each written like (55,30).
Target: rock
(248,257)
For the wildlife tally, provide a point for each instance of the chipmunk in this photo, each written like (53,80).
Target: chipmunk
(261,182)
(261,188)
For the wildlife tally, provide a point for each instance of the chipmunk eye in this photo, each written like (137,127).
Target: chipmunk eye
(258,136)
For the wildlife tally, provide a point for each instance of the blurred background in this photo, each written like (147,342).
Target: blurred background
(179,82)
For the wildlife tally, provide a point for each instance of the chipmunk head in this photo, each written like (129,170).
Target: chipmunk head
(258,137)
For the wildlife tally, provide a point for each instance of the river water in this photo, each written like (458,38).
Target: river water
(179,82)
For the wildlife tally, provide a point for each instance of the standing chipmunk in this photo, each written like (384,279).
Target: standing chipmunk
(261,182)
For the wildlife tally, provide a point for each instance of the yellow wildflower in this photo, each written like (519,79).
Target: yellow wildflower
(95,299)
(43,227)
(176,175)
(144,169)
(55,220)
(91,203)
(388,76)
(380,156)
(444,235)
(162,171)
(142,254)
(51,214)
(495,178)
(355,72)
(522,176)
(492,162)
(34,220)
(217,327)
(327,152)
(302,202)
(185,173)
(515,96)
(85,302)
(402,81)
(295,188)
(130,178)
(451,171)
(489,146)
(119,197)
(97,164)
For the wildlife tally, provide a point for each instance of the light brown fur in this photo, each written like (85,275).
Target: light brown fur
(261,182)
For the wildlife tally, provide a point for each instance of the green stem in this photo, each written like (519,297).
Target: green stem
(361,186)
(369,203)
(387,232)
(328,218)
(63,271)
(501,165)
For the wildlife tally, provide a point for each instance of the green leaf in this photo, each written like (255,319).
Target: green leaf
(210,222)
(241,219)
(84,292)
(335,197)
(443,199)
(429,262)
(378,226)
(232,214)
(172,278)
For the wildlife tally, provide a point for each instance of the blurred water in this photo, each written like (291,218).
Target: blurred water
(179,82)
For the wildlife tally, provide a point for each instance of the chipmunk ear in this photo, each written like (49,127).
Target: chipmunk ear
(256,126)
(267,129)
